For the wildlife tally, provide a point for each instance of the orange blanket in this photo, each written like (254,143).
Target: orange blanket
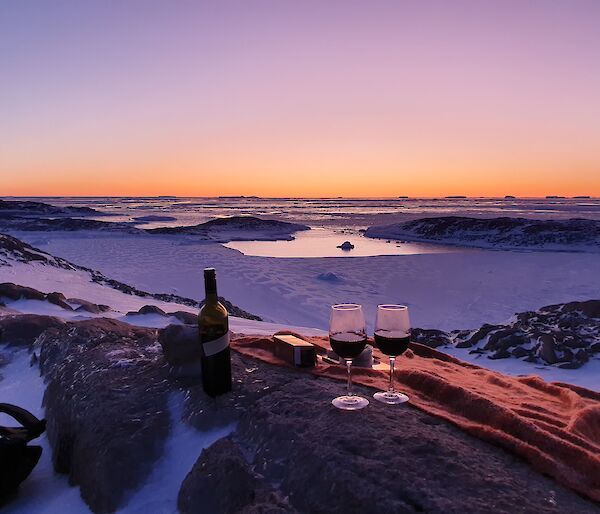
(554,426)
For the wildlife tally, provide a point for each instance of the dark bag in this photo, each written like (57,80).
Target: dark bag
(17,459)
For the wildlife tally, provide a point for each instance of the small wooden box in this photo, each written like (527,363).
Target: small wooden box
(294,350)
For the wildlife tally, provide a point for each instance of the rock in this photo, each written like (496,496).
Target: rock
(23,329)
(221,481)
(59,299)
(590,308)
(430,337)
(86,306)
(582,356)
(237,228)
(151,309)
(546,349)
(106,406)
(505,338)
(188,318)
(328,277)
(346,245)
(16,292)
(501,232)
(180,344)
(500,354)
(519,352)
(333,464)
(483,332)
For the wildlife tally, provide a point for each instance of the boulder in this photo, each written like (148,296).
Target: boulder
(86,306)
(346,245)
(329,277)
(335,464)
(483,332)
(546,349)
(58,299)
(16,292)
(500,354)
(23,329)
(151,309)
(519,352)
(430,337)
(106,406)
(188,318)
(180,344)
(590,308)
(506,338)
(220,481)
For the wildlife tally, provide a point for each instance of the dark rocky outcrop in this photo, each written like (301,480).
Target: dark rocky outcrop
(222,481)
(148,309)
(44,209)
(237,228)
(430,337)
(16,292)
(180,344)
(84,305)
(106,406)
(290,450)
(63,224)
(15,250)
(516,233)
(23,329)
(565,335)
(58,299)
(187,318)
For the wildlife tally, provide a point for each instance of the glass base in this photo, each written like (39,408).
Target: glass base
(390,398)
(350,402)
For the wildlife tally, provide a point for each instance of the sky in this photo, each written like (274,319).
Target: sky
(300,98)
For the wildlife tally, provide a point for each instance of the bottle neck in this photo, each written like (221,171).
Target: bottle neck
(210,289)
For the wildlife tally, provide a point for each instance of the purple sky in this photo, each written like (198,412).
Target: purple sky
(300,98)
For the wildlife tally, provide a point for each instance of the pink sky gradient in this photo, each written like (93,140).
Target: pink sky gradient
(290,98)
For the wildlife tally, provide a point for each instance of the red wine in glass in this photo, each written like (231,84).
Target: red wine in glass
(391,343)
(348,345)
(392,336)
(348,338)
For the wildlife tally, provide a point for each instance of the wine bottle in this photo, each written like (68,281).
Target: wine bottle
(213,324)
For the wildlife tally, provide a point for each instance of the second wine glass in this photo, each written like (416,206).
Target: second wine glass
(392,335)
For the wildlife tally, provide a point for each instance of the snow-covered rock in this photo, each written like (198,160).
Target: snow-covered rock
(346,245)
(237,228)
(565,335)
(29,208)
(501,233)
(106,422)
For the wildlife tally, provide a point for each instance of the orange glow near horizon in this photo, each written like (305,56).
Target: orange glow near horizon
(314,99)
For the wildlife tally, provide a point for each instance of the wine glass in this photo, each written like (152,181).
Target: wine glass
(392,335)
(348,338)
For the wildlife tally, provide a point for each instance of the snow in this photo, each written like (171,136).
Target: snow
(436,287)
(289,293)
(587,376)
(44,492)
(182,447)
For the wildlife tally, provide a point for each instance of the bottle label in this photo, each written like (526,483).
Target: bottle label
(216,345)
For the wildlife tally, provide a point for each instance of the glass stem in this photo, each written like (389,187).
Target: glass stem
(392,363)
(349,384)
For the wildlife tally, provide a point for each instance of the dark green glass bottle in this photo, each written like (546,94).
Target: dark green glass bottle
(213,323)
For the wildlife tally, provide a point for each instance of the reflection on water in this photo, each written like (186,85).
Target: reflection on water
(320,242)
